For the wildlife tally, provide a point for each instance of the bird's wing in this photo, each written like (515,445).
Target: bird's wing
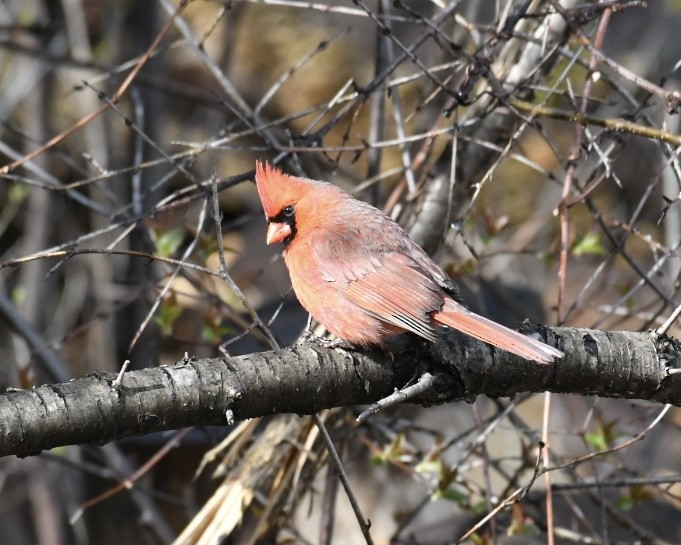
(389,285)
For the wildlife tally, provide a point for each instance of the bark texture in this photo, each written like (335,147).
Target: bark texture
(305,379)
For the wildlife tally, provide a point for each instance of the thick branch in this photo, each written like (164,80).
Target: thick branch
(306,379)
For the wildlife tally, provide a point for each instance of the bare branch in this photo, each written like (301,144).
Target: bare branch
(210,391)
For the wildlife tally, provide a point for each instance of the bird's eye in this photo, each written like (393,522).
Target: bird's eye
(288,211)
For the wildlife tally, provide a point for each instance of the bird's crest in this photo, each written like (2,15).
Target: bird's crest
(277,189)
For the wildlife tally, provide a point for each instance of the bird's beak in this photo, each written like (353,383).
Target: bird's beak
(278,232)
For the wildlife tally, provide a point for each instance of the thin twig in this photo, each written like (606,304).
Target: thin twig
(672,98)
(129,483)
(614,124)
(224,274)
(169,282)
(425,383)
(364,524)
(117,382)
(669,322)
(625,444)
(509,500)
(114,99)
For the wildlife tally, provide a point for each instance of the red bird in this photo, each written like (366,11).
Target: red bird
(360,275)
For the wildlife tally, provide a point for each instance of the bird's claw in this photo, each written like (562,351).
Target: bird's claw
(308,336)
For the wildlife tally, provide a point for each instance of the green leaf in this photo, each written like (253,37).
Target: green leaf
(596,440)
(214,333)
(451,493)
(433,466)
(479,507)
(17,193)
(604,436)
(167,313)
(638,493)
(590,244)
(392,451)
(167,242)
(19,294)
(625,503)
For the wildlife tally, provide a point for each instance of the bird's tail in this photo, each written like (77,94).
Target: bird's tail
(460,318)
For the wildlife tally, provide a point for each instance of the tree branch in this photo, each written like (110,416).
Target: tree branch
(217,390)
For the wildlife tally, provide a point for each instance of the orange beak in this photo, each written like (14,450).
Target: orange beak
(278,232)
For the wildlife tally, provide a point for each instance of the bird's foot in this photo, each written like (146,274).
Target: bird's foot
(308,336)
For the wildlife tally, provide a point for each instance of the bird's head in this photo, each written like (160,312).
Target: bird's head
(292,204)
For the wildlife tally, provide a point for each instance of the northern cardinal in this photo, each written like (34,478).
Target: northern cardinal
(359,274)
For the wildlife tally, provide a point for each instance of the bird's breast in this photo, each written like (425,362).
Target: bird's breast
(325,299)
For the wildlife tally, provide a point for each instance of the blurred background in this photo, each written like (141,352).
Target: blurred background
(453,117)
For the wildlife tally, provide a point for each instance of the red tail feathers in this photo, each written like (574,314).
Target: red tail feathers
(456,316)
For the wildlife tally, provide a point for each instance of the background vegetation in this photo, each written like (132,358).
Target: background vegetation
(532,147)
